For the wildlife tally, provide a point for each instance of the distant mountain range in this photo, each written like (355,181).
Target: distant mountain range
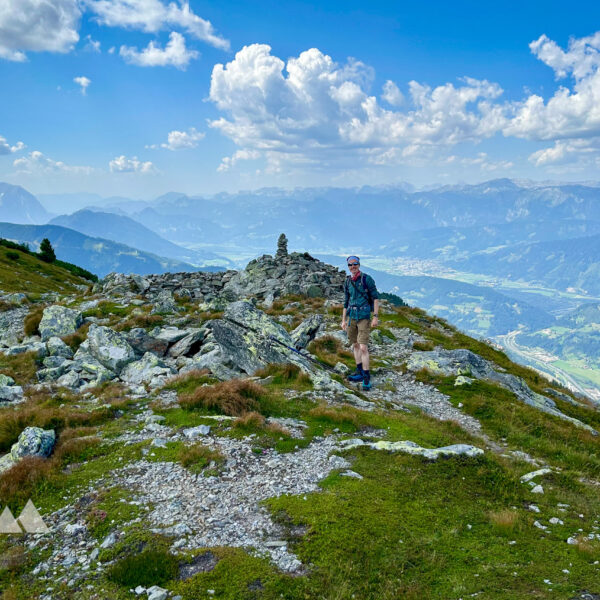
(120,228)
(17,205)
(100,256)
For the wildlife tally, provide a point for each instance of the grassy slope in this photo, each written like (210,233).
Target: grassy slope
(31,275)
(409,529)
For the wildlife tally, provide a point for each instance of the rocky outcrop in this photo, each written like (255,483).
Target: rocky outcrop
(109,348)
(149,369)
(58,321)
(463,362)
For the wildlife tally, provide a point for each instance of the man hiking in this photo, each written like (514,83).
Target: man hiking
(360,299)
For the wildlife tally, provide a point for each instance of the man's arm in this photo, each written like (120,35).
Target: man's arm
(375,320)
(344,323)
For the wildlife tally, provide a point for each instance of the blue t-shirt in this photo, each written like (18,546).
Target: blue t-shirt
(358,296)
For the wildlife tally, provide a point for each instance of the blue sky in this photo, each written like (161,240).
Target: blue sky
(141,97)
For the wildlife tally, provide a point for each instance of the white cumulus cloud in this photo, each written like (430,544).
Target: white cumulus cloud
(153,15)
(37,163)
(38,26)
(92,45)
(312,110)
(83,82)
(6,148)
(122,164)
(173,54)
(180,140)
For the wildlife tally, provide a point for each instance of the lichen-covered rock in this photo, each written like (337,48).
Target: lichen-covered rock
(11,393)
(164,303)
(306,331)
(188,345)
(412,448)
(29,346)
(33,441)
(56,347)
(109,347)
(146,370)
(5,380)
(59,321)
(141,341)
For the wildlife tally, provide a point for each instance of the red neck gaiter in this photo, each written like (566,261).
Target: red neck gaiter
(356,275)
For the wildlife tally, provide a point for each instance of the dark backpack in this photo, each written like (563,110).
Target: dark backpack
(363,290)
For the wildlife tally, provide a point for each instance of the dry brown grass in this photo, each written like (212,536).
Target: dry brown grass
(32,320)
(586,546)
(74,340)
(144,320)
(330,350)
(4,306)
(198,456)
(34,414)
(235,397)
(424,346)
(21,367)
(18,482)
(342,414)
(287,374)
(9,594)
(253,421)
(505,520)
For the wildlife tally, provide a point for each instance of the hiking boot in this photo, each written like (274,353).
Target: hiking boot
(356,376)
(367,385)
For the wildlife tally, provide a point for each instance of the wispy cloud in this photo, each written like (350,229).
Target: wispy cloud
(153,15)
(173,54)
(6,148)
(37,164)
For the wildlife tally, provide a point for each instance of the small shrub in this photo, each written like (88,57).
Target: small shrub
(330,350)
(233,398)
(154,566)
(425,346)
(198,456)
(12,255)
(32,320)
(188,382)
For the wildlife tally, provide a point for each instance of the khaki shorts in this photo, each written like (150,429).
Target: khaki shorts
(359,331)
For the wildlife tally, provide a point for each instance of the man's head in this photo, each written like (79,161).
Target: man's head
(353,263)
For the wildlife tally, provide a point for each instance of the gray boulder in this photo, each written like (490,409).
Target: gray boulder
(109,347)
(150,369)
(5,380)
(33,441)
(306,331)
(187,345)
(11,393)
(59,321)
(164,303)
(56,347)
(141,341)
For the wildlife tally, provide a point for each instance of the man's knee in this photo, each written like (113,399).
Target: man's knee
(364,348)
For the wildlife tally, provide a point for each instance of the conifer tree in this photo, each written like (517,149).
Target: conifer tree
(46,252)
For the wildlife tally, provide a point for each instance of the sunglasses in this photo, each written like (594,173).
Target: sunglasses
(353,264)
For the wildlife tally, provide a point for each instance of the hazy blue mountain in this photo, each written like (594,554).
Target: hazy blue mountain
(390,216)
(121,229)
(455,243)
(98,255)
(19,206)
(563,264)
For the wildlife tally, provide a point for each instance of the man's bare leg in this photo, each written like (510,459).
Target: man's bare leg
(364,356)
(357,353)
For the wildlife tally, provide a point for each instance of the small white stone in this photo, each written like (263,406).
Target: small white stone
(534,508)
(538,489)
(566,571)
(556,521)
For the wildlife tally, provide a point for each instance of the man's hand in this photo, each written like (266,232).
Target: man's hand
(344,324)
(375,322)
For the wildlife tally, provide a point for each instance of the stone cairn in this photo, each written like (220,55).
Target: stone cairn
(282,250)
